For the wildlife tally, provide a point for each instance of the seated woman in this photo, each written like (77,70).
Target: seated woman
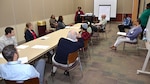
(61,24)
(131,36)
(29,32)
(53,22)
(84,34)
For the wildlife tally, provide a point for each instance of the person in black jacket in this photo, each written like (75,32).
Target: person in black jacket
(72,43)
(29,32)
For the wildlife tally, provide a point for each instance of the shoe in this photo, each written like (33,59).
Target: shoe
(53,74)
(113,48)
(66,73)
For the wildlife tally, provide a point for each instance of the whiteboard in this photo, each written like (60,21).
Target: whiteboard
(113,4)
(148,30)
(104,9)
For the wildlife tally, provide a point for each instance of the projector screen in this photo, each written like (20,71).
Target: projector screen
(113,4)
(104,9)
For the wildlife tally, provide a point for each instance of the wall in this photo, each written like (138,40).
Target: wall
(16,13)
(143,5)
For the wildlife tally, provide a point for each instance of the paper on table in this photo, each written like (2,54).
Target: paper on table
(23,59)
(22,46)
(40,47)
(44,38)
(1,56)
(67,26)
(121,33)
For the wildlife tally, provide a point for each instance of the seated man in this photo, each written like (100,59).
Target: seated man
(125,24)
(8,38)
(84,33)
(101,25)
(130,36)
(14,70)
(72,43)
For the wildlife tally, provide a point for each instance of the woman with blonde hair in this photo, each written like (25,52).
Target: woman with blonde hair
(29,32)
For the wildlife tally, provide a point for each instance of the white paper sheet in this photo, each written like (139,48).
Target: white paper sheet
(22,46)
(40,47)
(44,38)
(121,33)
(23,59)
(67,26)
(1,56)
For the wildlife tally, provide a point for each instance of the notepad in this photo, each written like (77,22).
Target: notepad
(23,59)
(43,37)
(22,46)
(121,33)
(1,56)
(40,47)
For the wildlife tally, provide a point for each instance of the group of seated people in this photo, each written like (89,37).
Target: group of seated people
(74,41)
(57,24)
(131,35)
(23,72)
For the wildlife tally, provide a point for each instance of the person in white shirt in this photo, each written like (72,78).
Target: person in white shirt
(101,25)
(8,38)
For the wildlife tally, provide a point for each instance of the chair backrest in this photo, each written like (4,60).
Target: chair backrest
(86,43)
(29,81)
(72,57)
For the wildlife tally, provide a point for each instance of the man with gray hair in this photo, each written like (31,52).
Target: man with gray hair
(72,43)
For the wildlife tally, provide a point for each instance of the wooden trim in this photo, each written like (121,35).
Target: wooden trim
(119,17)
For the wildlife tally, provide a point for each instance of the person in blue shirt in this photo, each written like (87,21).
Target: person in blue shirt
(72,43)
(131,36)
(14,70)
(127,23)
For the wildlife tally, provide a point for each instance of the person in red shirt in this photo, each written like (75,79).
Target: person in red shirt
(84,34)
(78,18)
(29,32)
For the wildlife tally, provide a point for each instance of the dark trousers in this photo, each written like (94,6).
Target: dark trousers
(122,28)
(143,27)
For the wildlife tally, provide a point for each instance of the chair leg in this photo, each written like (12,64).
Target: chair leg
(81,69)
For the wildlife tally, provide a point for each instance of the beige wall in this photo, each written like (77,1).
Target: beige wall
(142,5)
(124,6)
(19,11)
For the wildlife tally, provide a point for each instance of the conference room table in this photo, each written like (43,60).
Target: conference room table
(34,49)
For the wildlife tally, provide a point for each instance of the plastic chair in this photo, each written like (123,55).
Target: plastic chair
(72,59)
(85,49)
(103,30)
(133,43)
(29,81)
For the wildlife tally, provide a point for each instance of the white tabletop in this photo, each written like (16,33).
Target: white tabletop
(36,48)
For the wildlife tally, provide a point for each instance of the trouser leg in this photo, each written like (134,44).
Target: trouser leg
(121,28)
(142,32)
(40,67)
(54,69)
